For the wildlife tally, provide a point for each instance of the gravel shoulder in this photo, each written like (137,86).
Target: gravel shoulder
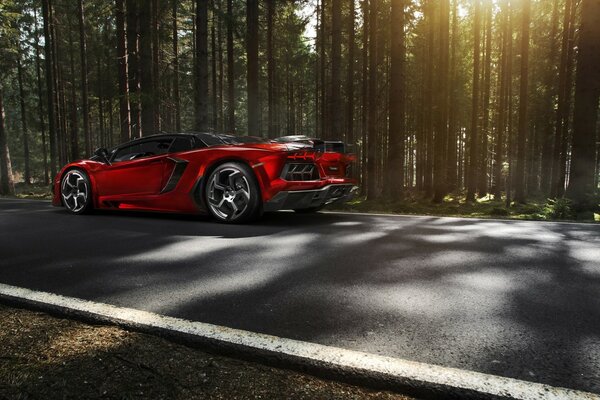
(45,357)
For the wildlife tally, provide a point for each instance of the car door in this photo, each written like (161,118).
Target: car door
(136,168)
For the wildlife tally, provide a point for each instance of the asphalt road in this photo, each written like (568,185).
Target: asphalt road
(511,298)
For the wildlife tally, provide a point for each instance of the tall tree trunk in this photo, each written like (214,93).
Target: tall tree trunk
(213,68)
(349,131)
(201,113)
(7,185)
(270,70)
(502,104)
(124,122)
(453,126)
(133,70)
(84,81)
(335,101)
(474,137)
(483,160)
(146,69)
(230,127)
(48,57)
(429,106)
(27,172)
(441,134)
(221,112)
(74,123)
(325,121)
(550,96)
(523,117)
(252,67)
(364,94)
(372,161)
(176,94)
(101,127)
(565,105)
(40,99)
(156,95)
(587,93)
(396,162)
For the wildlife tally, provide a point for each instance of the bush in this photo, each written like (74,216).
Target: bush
(559,209)
(499,212)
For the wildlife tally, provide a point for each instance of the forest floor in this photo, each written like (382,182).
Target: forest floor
(45,357)
(537,208)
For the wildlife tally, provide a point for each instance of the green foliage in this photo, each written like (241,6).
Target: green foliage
(560,208)
(415,204)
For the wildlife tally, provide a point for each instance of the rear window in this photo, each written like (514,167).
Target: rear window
(181,144)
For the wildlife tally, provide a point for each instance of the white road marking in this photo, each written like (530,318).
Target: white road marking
(420,374)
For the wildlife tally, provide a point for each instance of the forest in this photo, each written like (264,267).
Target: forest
(474,99)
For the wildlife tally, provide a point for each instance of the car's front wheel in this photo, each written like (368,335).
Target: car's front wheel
(76,192)
(232,193)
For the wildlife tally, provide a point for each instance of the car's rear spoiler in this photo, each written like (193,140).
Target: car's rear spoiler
(319,145)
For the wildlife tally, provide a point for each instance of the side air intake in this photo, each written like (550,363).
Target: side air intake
(300,172)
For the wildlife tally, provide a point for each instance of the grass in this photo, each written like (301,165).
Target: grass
(538,208)
(45,357)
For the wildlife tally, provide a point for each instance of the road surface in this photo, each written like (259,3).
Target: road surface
(511,298)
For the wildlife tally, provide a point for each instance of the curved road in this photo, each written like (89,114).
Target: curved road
(511,298)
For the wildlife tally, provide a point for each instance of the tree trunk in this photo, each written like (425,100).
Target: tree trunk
(156,103)
(364,95)
(176,95)
(550,96)
(451,161)
(502,104)
(27,172)
(84,81)
(523,118)
(213,69)
(7,185)
(201,113)
(124,122)
(40,99)
(587,93)
(564,104)
(49,84)
(349,131)
(270,70)
(482,188)
(221,114)
(428,109)
(395,169)
(474,137)
(74,123)
(252,67)
(441,135)
(230,127)
(133,69)
(146,70)
(372,161)
(335,100)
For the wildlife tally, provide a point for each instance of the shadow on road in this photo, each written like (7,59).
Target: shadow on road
(513,298)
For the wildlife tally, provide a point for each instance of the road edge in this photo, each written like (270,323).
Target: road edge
(403,376)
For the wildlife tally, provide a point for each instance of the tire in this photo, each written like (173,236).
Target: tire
(232,193)
(76,192)
(309,210)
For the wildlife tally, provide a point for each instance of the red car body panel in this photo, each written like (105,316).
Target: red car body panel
(141,184)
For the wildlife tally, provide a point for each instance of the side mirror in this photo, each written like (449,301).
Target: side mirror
(102,154)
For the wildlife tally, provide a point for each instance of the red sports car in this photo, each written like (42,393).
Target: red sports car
(234,179)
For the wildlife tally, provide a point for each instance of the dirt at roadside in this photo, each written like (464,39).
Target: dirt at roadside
(43,357)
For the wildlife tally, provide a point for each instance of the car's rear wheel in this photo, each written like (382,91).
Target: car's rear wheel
(76,192)
(232,193)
